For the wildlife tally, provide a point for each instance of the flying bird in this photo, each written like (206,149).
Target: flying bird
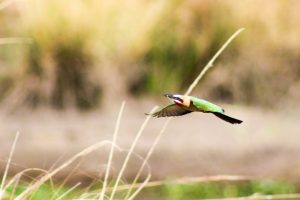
(184,104)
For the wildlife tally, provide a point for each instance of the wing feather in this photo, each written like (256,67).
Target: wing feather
(171,111)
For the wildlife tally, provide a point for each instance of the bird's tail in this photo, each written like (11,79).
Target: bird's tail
(227,118)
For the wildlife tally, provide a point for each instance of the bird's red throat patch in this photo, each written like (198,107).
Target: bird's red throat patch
(178,104)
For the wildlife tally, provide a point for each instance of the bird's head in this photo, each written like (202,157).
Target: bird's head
(178,99)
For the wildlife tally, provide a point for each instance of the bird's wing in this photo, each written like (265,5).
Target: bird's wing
(170,111)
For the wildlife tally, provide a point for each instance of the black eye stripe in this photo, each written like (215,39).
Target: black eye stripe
(179,99)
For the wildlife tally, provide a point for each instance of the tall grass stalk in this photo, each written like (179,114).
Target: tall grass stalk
(8,164)
(130,152)
(20,174)
(187,180)
(146,159)
(111,151)
(140,187)
(65,180)
(211,62)
(68,191)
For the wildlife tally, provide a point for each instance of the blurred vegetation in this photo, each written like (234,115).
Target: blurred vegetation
(174,191)
(222,189)
(183,40)
(83,51)
(46,191)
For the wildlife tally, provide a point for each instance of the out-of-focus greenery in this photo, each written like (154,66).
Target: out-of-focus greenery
(175,191)
(222,190)
(84,50)
(184,39)
(46,191)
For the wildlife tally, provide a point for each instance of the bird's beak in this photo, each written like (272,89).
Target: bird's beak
(170,96)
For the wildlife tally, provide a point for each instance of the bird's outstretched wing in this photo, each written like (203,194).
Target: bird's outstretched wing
(170,111)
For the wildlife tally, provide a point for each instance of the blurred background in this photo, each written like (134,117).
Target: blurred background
(66,66)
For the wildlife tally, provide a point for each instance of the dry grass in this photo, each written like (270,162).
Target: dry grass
(133,189)
(122,29)
(111,153)
(8,164)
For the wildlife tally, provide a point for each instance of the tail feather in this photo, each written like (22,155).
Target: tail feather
(227,118)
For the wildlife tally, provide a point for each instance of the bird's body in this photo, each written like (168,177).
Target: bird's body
(203,105)
(187,104)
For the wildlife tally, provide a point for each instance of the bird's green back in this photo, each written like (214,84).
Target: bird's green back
(205,106)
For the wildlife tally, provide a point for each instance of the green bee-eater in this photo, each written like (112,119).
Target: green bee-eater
(187,104)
